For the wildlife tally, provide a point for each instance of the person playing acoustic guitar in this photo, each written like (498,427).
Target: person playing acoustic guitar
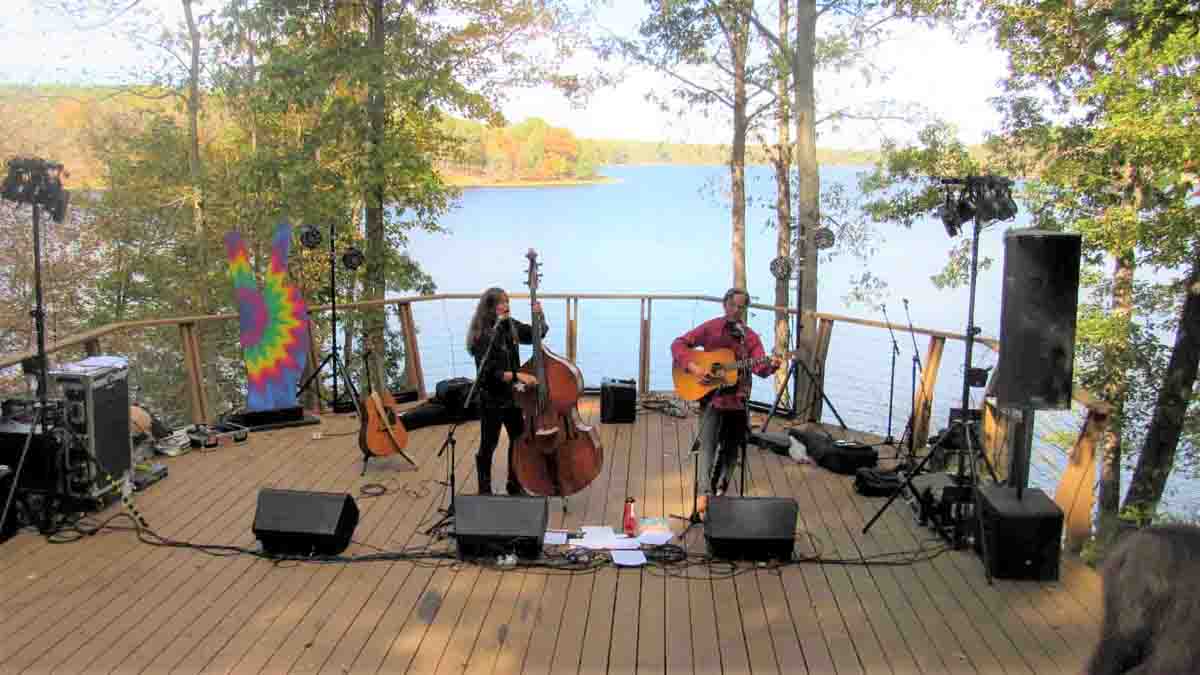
(724,417)
(497,377)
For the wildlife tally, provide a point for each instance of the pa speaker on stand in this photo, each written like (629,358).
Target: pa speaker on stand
(1037,319)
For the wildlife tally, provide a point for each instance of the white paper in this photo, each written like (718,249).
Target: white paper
(597,531)
(655,537)
(628,558)
(555,537)
(623,542)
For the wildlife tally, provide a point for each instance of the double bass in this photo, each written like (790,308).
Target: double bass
(557,454)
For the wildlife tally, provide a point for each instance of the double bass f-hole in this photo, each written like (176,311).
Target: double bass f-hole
(556,453)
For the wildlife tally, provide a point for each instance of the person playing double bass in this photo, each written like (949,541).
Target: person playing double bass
(724,418)
(498,374)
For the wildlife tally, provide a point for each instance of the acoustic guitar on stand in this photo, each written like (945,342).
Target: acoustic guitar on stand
(381,432)
(721,368)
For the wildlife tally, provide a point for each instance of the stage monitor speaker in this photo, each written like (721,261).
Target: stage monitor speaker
(489,526)
(751,528)
(1023,536)
(618,401)
(295,522)
(1038,303)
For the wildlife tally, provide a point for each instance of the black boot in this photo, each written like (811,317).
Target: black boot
(513,486)
(483,474)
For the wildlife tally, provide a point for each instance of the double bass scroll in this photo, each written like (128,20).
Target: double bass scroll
(557,454)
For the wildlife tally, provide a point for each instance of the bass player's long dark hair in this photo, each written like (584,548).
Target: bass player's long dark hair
(485,315)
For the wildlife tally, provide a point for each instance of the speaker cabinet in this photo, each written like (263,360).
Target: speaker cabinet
(96,394)
(488,526)
(751,528)
(618,401)
(1023,536)
(295,522)
(1037,319)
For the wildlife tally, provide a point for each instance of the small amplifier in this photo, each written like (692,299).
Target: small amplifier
(618,401)
(1023,536)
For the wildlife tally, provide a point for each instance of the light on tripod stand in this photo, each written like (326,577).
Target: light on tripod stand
(310,236)
(353,258)
(37,181)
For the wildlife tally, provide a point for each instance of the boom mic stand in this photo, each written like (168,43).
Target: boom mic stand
(916,367)
(450,442)
(888,440)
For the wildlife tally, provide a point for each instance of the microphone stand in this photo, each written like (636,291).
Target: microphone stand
(450,442)
(916,367)
(888,440)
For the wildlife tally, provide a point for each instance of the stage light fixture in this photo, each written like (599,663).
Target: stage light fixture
(310,236)
(353,258)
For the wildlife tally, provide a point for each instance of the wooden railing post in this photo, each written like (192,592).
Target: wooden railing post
(644,348)
(1076,492)
(412,352)
(191,360)
(92,347)
(998,427)
(820,354)
(921,416)
(573,329)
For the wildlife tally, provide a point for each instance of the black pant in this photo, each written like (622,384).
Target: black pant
(490,420)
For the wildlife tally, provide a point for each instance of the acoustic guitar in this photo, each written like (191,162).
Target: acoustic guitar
(381,432)
(721,368)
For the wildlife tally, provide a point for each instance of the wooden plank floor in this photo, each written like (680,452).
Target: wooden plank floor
(108,603)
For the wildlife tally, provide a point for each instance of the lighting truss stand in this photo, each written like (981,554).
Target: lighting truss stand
(39,319)
(333,359)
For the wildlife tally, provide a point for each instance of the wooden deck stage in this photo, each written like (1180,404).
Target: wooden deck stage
(112,604)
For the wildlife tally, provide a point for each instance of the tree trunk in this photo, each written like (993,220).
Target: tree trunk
(375,284)
(200,290)
(737,163)
(1158,453)
(1109,497)
(808,186)
(783,204)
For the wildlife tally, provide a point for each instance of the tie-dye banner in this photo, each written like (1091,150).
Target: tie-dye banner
(273,324)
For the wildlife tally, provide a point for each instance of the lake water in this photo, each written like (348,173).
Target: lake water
(665,229)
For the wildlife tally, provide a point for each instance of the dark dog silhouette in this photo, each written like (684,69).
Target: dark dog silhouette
(1151,604)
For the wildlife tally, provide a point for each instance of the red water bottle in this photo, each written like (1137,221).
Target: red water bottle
(629,520)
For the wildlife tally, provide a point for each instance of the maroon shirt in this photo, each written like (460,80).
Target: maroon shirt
(715,334)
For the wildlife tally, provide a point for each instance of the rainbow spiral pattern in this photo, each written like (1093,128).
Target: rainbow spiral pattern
(273,323)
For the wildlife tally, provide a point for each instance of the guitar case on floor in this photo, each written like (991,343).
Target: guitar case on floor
(844,457)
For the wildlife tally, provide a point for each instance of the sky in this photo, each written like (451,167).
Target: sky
(949,78)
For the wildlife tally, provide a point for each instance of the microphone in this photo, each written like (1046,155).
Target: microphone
(737,328)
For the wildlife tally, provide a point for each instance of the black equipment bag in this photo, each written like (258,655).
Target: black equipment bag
(428,414)
(844,457)
(452,394)
(870,482)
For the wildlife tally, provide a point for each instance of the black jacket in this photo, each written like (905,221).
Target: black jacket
(494,392)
